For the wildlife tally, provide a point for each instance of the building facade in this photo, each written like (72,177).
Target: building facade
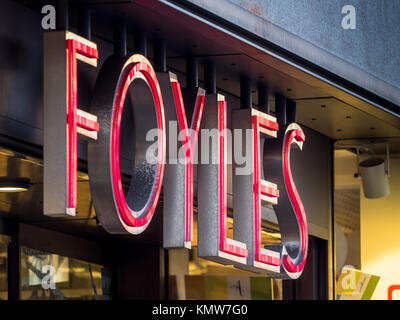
(328,67)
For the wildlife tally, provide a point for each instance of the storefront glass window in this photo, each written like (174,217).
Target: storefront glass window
(4,241)
(46,276)
(210,280)
(193,278)
(367,220)
(347,213)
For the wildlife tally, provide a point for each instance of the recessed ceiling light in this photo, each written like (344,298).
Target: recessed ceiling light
(14,184)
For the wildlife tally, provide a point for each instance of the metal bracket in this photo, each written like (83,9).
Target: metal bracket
(370,147)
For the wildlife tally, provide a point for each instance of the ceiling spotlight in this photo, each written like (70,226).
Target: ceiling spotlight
(374,173)
(374,178)
(14,184)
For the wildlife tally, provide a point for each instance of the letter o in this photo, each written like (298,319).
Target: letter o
(132,213)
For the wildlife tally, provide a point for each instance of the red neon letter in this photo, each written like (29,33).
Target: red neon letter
(78,120)
(294,135)
(189,138)
(227,245)
(392,288)
(212,174)
(137,67)
(263,190)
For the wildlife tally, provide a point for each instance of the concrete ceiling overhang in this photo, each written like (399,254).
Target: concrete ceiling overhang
(350,112)
(252,19)
(327,103)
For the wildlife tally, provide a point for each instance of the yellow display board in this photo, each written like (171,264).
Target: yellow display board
(354,284)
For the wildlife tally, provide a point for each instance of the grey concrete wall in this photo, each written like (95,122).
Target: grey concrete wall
(373,46)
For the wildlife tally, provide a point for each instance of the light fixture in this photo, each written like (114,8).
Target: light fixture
(374,178)
(374,172)
(8,184)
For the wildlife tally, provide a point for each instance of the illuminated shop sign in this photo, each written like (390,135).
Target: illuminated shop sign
(158,104)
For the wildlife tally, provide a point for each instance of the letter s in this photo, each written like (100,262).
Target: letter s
(294,135)
(289,210)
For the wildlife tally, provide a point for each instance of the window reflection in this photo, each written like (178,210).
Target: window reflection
(46,276)
(191,277)
(4,241)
